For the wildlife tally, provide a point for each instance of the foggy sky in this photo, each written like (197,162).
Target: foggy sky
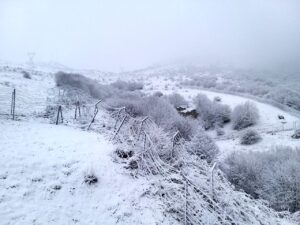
(122,35)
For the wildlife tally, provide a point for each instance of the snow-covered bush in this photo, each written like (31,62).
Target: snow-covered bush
(177,100)
(250,137)
(286,97)
(202,81)
(272,175)
(244,115)
(93,88)
(78,81)
(203,146)
(158,109)
(185,126)
(165,115)
(133,106)
(127,86)
(223,113)
(212,113)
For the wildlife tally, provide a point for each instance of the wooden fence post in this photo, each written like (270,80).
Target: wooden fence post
(145,139)
(212,181)
(59,114)
(77,108)
(174,140)
(185,198)
(186,202)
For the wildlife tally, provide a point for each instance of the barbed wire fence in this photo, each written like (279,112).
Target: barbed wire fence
(21,103)
(17,103)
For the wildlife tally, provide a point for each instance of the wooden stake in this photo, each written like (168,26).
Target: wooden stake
(59,114)
(77,108)
(13,104)
(186,201)
(212,181)
(174,139)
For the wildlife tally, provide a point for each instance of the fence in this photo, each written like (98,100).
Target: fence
(16,103)
(184,197)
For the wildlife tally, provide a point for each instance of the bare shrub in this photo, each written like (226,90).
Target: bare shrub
(203,146)
(250,137)
(244,115)
(273,175)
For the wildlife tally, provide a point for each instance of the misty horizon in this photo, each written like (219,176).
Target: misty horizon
(114,36)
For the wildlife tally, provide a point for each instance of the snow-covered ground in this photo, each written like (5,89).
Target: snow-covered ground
(43,165)
(42,179)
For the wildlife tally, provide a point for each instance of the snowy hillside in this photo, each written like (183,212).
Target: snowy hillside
(272,129)
(47,169)
(42,179)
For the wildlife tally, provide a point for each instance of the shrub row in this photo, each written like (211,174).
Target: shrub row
(273,175)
